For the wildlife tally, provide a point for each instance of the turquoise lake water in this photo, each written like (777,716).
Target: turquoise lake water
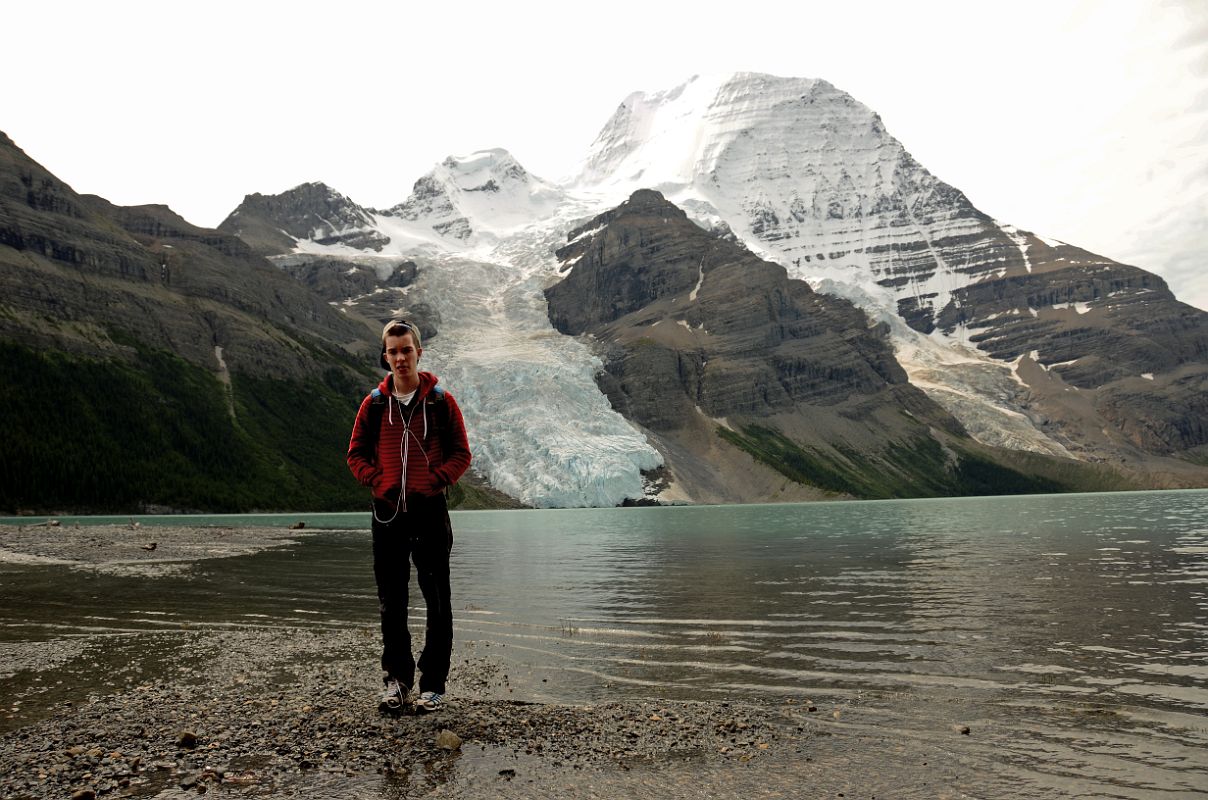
(1071,630)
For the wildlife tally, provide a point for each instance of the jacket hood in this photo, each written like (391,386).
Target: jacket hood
(426,381)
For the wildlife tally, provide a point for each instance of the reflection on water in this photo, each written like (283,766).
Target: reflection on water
(1068,630)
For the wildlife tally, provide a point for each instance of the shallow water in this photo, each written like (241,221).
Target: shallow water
(1070,633)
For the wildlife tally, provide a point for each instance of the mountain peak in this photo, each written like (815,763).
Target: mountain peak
(672,137)
(274,224)
(311,190)
(802,171)
(484,170)
(487,191)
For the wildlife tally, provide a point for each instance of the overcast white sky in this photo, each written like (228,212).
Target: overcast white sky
(1083,121)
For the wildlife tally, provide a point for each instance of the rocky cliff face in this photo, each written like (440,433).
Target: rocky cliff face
(1111,333)
(74,264)
(273,224)
(723,358)
(345,281)
(430,201)
(151,363)
(375,289)
(1091,320)
(763,342)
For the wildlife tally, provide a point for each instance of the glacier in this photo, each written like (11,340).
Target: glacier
(540,429)
(482,231)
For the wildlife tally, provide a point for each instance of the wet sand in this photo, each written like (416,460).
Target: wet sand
(134,550)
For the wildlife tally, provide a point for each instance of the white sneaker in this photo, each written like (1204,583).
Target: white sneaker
(394,696)
(429,701)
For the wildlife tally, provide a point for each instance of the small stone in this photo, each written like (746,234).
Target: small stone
(963,730)
(187,739)
(448,740)
(508,773)
(83,794)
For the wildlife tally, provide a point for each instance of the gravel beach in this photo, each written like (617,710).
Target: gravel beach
(264,714)
(272,711)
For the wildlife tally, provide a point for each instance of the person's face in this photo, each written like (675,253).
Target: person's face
(403,356)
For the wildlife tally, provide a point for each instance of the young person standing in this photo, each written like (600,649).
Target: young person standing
(409,445)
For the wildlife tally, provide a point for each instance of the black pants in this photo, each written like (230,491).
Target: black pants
(424,535)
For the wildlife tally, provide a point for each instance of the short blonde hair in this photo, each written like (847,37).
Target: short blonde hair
(401,327)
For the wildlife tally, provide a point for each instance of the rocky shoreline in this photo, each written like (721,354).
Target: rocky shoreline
(266,713)
(266,709)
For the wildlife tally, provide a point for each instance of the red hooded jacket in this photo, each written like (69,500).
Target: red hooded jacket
(421,446)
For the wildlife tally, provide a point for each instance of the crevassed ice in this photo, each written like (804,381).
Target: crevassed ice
(539,427)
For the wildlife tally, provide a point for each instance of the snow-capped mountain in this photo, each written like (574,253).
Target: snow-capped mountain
(1031,344)
(483,196)
(466,203)
(810,178)
(808,175)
